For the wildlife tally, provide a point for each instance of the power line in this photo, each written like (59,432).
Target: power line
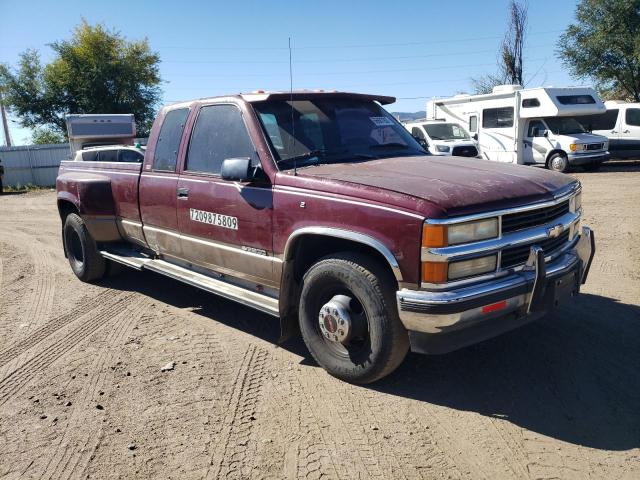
(348,72)
(339,60)
(334,46)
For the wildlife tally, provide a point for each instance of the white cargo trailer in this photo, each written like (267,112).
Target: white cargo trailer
(93,130)
(533,126)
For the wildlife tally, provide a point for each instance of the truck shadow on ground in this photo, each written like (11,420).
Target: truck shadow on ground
(573,376)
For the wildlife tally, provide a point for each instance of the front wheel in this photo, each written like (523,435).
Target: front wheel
(349,320)
(84,258)
(558,163)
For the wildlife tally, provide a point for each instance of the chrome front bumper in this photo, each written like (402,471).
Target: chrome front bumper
(517,298)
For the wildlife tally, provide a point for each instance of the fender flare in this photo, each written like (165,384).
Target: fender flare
(350,235)
(288,310)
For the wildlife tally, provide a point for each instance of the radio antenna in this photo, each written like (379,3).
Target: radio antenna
(293,124)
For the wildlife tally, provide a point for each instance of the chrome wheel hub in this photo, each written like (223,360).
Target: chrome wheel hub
(559,163)
(335,319)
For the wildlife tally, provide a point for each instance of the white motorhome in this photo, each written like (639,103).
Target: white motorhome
(93,130)
(620,124)
(533,126)
(443,138)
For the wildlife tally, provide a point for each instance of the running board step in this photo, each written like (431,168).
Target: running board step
(238,294)
(129,258)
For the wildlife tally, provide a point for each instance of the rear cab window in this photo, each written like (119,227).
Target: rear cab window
(130,156)
(108,156)
(165,154)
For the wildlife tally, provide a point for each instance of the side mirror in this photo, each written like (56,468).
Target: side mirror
(475,136)
(423,143)
(545,133)
(237,169)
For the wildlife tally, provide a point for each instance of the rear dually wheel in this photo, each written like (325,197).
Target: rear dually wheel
(84,258)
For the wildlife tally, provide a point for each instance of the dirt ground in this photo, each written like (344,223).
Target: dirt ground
(82,394)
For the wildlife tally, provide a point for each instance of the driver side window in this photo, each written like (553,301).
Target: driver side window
(416,132)
(536,129)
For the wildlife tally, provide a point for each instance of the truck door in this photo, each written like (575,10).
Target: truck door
(158,183)
(628,144)
(225,225)
(534,144)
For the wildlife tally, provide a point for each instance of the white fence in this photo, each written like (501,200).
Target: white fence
(36,164)
(33,164)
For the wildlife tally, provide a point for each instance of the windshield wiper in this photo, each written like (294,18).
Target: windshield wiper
(302,156)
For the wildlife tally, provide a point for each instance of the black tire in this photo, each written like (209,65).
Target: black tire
(558,162)
(85,261)
(592,167)
(362,360)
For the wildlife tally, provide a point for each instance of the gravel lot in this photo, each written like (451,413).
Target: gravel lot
(82,394)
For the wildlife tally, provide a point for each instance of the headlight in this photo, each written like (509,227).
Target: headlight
(472,231)
(438,235)
(573,147)
(442,148)
(469,268)
(575,204)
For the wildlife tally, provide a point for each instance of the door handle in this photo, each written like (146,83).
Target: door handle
(614,131)
(183,192)
(626,131)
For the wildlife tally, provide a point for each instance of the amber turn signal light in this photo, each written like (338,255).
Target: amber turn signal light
(434,236)
(434,272)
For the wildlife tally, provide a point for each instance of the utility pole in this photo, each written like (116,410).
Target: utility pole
(5,123)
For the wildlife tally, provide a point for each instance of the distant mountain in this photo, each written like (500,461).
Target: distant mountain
(408,116)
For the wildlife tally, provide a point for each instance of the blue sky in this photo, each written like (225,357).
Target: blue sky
(410,50)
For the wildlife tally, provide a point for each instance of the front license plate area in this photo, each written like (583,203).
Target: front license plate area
(557,291)
(565,287)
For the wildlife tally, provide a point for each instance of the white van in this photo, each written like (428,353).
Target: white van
(533,126)
(620,124)
(440,137)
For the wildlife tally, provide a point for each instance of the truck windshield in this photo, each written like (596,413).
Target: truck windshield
(564,125)
(446,131)
(332,130)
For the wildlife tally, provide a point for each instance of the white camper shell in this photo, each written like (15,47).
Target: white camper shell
(534,126)
(620,124)
(439,137)
(93,130)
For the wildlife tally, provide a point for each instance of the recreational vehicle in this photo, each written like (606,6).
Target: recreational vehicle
(443,138)
(534,126)
(94,130)
(620,124)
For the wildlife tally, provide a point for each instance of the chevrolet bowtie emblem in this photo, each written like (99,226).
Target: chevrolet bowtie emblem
(555,231)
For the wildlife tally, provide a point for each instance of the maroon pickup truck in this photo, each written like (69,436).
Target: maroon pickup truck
(320,209)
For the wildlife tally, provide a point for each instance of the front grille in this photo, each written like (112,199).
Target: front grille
(514,256)
(593,146)
(532,218)
(468,151)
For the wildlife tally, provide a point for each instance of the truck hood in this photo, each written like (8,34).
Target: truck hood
(454,185)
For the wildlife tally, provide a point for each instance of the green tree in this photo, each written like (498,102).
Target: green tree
(95,71)
(44,136)
(604,46)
